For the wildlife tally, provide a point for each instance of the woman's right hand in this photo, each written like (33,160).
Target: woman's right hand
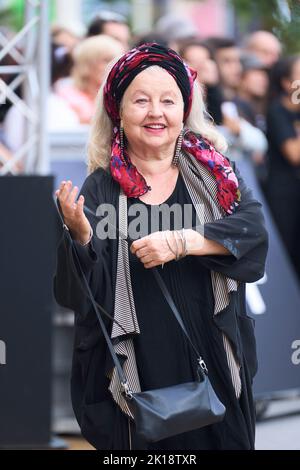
(73,213)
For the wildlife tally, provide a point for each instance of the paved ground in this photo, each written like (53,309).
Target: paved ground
(281,428)
(77,443)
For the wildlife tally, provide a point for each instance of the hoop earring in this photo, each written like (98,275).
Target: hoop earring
(177,149)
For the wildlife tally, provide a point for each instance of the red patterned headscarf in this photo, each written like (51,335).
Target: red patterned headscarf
(122,169)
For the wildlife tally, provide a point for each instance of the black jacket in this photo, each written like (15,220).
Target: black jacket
(242,233)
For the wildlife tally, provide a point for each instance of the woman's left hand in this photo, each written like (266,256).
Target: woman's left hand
(153,249)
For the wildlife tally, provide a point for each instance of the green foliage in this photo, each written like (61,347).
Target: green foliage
(282,17)
(289,32)
(12,16)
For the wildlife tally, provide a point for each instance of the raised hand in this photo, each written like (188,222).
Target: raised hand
(73,213)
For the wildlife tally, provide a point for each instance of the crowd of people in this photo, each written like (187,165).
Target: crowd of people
(249,90)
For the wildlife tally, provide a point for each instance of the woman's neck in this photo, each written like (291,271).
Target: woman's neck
(151,163)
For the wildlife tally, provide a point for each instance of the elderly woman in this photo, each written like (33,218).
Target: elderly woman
(151,148)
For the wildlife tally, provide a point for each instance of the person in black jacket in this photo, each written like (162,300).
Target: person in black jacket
(151,150)
(283,131)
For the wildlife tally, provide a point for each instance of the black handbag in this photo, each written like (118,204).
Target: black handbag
(168,411)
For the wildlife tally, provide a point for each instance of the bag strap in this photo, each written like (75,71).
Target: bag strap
(177,315)
(97,306)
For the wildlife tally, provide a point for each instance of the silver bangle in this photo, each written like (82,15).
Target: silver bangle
(182,236)
(177,245)
(168,243)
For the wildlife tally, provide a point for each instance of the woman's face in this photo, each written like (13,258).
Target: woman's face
(152,110)
(198,58)
(255,82)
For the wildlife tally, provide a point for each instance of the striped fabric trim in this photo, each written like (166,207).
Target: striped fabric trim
(125,349)
(202,190)
(125,314)
(234,367)
(124,302)
(206,193)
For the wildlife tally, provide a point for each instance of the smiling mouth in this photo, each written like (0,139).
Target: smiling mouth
(155,126)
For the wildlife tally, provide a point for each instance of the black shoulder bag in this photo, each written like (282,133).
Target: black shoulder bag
(164,412)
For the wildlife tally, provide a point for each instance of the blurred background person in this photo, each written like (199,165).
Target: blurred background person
(252,91)
(151,36)
(265,46)
(112,24)
(61,63)
(244,138)
(91,58)
(198,55)
(60,116)
(227,55)
(283,130)
(61,36)
(176,29)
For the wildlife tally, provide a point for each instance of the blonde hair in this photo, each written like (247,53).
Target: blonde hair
(101,131)
(90,51)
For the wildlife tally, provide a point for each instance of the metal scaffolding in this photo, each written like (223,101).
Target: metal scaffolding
(32,72)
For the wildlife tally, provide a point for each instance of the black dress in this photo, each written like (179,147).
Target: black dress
(162,354)
(165,358)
